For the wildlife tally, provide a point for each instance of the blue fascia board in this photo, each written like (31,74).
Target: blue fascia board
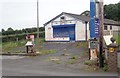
(57,41)
(65,25)
(66,41)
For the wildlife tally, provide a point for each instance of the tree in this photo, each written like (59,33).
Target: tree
(10,29)
(41,29)
(112,11)
(3,30)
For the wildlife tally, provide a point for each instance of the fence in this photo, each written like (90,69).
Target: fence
(19,37)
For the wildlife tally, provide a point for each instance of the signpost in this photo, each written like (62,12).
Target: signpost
(94,21)
(96,25)
(92,18)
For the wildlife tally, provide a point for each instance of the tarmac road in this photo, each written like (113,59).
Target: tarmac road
(42,66)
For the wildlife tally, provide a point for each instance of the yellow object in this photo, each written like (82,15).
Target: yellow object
(111,50)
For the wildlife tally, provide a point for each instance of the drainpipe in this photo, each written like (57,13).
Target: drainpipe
(86,30)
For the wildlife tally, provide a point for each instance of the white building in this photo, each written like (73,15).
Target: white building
(72,27)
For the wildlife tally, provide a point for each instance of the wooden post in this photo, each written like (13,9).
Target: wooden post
(101,33)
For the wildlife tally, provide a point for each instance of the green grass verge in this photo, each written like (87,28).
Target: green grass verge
(39,40)
(7,46)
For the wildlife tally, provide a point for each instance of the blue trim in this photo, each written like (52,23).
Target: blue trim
(65,25)
(57,41)
(67,41)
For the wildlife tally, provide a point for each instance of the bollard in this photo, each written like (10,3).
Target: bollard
(112,56)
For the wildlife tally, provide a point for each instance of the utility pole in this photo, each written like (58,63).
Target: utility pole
(101,33)
(37,19)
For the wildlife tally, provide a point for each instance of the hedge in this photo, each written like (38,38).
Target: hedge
(8,38)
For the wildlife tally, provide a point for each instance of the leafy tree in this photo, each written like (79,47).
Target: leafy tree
(3,30)
(112,11)
(41,29)
(10,29)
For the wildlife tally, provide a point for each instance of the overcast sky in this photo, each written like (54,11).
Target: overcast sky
(20,14)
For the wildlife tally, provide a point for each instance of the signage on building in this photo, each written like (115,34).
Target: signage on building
(49,28)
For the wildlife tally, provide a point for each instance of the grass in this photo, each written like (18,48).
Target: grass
(57,61)
(81,44)
(73,60)
(90,62)
(7,46)
(39,40)
(117,39)
(92,65)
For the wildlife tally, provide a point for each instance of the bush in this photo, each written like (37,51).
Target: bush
(105,68)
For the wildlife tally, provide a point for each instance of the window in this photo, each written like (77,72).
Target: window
(62,20)
(110,27)
(105,27)
(63,17)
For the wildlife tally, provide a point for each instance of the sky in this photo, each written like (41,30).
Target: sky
(19,14)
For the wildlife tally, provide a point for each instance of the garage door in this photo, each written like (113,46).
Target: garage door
(64,31)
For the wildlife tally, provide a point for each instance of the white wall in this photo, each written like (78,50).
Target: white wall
(88,31)
(69,20)
(111,32)
(48,32)
(80,31)
(114,28)
(49,29)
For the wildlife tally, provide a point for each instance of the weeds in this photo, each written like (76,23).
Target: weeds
(57,61)
(73,60)
(7,46)
(44,52)
(81,44)
(91,62)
